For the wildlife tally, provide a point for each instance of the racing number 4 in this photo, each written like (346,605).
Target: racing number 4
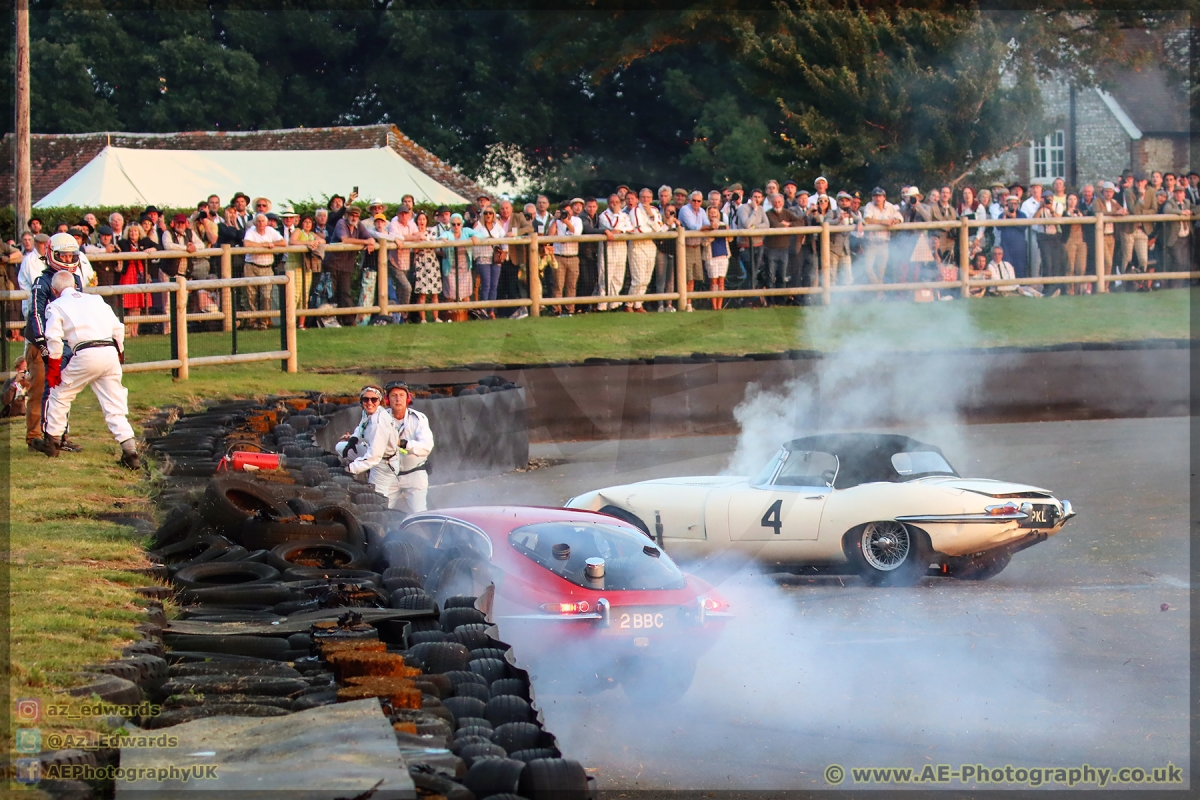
(772,519)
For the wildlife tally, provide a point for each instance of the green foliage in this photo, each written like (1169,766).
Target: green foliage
(864,91)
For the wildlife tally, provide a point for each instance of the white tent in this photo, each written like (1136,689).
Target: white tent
(120,176)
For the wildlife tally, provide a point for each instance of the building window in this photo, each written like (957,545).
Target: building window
(1049,158)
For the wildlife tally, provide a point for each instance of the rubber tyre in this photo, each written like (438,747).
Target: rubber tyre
(452,617)
(362,577)
(461,601)
(236,573)
(514,736)
(416,602)
(462,677)
(474,690)
(257,594)
(508,708)
(402,584)
(490,669)
(481,751)
(627,516)
(460,576)
(439,657)
(175,528)
(462,707)
(256,646)
(194,550)
(535,752)
(230,500)
(980,568)
(268,535)
(912,541)
(553,779)
(513,686)
(337,512)
(332,555)
(493,776)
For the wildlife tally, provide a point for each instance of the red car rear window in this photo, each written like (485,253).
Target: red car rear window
(631,561)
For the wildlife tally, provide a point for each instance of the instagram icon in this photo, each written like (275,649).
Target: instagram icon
(29,709)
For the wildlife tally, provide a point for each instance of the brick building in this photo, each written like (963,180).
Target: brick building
(56,157)
(1141,123)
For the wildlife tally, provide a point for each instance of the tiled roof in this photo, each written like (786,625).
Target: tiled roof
(55,157)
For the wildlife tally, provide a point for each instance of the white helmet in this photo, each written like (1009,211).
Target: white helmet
(63,251)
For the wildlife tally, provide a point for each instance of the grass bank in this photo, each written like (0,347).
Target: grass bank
(988,322)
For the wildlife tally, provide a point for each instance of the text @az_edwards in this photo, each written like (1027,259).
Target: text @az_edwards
(979,774)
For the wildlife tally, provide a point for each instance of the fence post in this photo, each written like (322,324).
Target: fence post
(226,292)
(535,279)
(826,266)
(964,257)
(181,328)
(381,278)
(681,272)
(1101,286)
(289,322)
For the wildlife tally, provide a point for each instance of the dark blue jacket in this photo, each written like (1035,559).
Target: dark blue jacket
(35,325)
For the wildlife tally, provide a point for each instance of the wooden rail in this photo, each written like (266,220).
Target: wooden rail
(377,260)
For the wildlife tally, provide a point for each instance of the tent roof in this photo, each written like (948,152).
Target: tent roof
(180,178)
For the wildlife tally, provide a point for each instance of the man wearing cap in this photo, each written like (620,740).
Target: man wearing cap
(1108,205)
(820,187)
(349,230)
(62,255)
(879,212)
(839,243)
(1012,240)
(107,272)
(1177,236)
(86,271)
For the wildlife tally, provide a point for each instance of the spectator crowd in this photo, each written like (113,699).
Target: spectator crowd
(617,269)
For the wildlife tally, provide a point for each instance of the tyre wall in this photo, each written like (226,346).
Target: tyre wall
(474,435)
(696,395)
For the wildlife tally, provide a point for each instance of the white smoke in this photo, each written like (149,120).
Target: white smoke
(886,364)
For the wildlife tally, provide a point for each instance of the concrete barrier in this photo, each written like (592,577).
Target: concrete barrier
(474,435)
(691,395)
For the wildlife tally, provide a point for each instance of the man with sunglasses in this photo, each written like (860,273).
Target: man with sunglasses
(391,445)
(373,424)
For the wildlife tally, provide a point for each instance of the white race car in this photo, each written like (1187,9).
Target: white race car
(889,506)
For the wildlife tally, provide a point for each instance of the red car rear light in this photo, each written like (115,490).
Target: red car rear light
(1004,510)
(713,602)
(582,607)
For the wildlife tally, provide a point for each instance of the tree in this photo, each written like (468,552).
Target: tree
(864,92)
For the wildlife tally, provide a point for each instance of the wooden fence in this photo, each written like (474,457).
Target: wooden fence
(826,287)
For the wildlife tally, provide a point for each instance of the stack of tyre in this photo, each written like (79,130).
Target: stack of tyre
(271,547)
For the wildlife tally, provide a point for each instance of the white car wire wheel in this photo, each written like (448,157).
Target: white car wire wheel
(889,553)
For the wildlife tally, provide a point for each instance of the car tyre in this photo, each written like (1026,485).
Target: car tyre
(889,553)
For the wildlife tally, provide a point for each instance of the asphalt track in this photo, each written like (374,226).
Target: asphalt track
(1065,658)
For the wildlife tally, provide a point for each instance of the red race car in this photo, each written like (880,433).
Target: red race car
(589,599)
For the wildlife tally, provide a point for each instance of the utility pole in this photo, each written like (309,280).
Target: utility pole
(22,199)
